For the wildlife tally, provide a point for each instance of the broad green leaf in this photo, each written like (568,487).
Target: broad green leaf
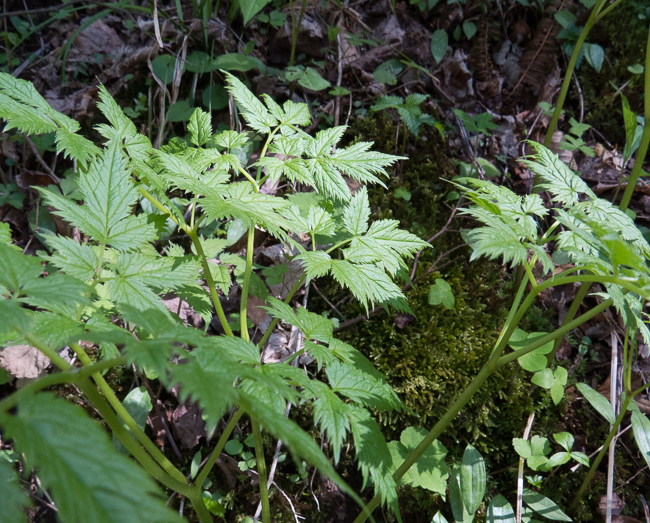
(215,98)
(469,28)
(522,447)
(460,512)
(163,67)
(249,8)
(13,499)
(238,62)
(439,518)
(641,427)
(500,511)
(429,471)
(88,480)
(439,43)
(180,111)
(5,233)
(565,439)
(557,459)
(198,62)
(598,402)
(472,479)
(311,79)
(595,55)
(441,293)
(544,506)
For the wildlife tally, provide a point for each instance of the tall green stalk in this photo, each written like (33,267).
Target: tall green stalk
(596,15)
(645,138)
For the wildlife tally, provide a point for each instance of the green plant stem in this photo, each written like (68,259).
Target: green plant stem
(199,506)
(49,352)
(573,310)
(645,138)
(210,281)
(295,30)
(72,376)
(199,250)
(127,440)
(494,363)
(261,471)
(275,321)
(200,479)
(593,18)
(250,245)
(557,334)
(111,419)
(250,179)
(601,454)
(128,420)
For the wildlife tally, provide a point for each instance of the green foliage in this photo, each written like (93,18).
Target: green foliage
(75,460)
(408,110)
(118,273)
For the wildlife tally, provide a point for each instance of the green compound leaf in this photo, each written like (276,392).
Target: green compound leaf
(253,111)
(533,361)
(441,293)
(429,471)
(200,127)
(109,194)
(88,480)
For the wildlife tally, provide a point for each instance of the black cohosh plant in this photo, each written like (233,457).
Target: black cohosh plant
(105,291)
